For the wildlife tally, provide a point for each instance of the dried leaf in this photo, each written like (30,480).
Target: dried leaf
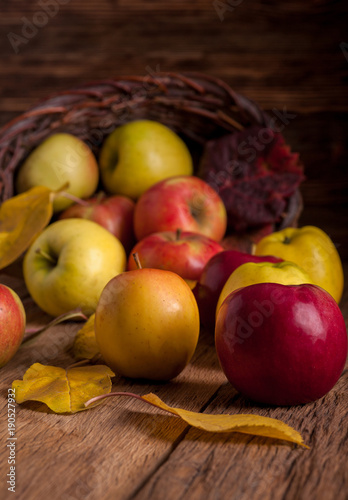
(64,391)
(85,345)
(21,219)
(33,333)
(256,175)
(247,424)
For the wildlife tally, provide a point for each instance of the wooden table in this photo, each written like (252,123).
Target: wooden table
(122,449)
(289,56)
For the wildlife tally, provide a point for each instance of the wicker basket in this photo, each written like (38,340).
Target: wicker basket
(198,107)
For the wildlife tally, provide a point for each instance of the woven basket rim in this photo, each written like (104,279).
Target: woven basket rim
(197,105)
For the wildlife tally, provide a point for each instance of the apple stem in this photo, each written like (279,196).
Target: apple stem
(178,234)
(75,199)
(287,240)
(137,260)
(100,196)
(46,255)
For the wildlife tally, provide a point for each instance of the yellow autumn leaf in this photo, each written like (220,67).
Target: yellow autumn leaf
(85,345)
(22,218)
(247,424)
(64,391)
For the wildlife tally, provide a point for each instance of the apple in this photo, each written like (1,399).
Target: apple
(310,248)
(184,202)
(115,213)
(281,344)
(69,263)
(147,324)
(245,241)
(59,160)
(140,153)
(12,323)
(214,276)
(183,253)
(285,273)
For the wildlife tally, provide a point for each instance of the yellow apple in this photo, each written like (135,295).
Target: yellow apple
(59,160)
(139,154)
(69,264)
(147,324)
(312,249)
(284,273)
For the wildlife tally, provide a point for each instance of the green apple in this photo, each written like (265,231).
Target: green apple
(70,263)
(147,324)
(59,160)
(139,154)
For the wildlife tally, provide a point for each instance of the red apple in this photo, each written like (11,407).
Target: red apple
(214,276)
(114,213)
(281,344)
(183,253)
(12,323)
(184,202)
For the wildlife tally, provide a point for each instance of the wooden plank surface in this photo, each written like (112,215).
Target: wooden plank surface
(278,53)
(123,450)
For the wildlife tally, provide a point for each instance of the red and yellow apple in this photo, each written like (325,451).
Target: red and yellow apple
(184,202)
(140,153)
(285,273)
(183,253)
(281,344)
(214,276)
(12,323)
(69,263)
(310,248)
(147,324)
(61,159)
(115,213)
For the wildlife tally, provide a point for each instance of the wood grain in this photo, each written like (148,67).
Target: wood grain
(280,55)
(124,450)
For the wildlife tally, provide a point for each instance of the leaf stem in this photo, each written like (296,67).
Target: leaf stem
(75,199)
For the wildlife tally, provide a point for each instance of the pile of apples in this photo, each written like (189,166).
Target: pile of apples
(148,259)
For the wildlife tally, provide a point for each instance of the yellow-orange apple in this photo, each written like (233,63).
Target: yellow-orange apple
(147,324)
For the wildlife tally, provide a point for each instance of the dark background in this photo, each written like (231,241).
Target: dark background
(290,55)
